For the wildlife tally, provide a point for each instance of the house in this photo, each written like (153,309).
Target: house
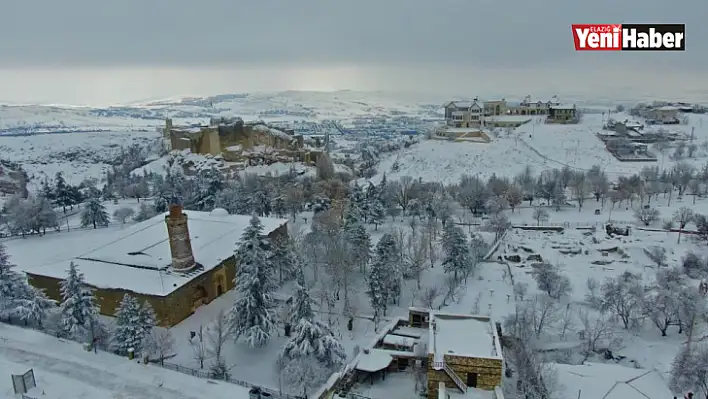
(610,381)
(532,107)
(666,114)
(176,261)
(495,107)
(464,113)
(463,352)
(562,113)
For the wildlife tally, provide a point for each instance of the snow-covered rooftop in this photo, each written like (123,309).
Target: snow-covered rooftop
(509,118)
(462,335)
(563,106)
(139,257)
(610,381)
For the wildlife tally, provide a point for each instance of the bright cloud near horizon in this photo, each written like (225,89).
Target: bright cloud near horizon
(81,51)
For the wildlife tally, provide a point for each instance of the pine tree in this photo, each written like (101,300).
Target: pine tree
(128,333)
(148,319)
(144,213)
(357,237)
(78,311)
(17,297)
(457,252)
(376,210)
(253,312)
(312,338)
(62,192)
(388,254)
(46,190)
(94,214)
(284,258)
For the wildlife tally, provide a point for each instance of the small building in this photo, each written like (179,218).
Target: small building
(666,114)
(460,134)
(562,113)
(495,107)
(176,261)
(507,121)
(463,352)
(610,381)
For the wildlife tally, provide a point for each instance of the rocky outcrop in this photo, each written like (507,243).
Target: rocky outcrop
(13,179)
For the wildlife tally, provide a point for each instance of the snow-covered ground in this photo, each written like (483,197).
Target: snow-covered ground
(65,370)
(536,144)
(77,155)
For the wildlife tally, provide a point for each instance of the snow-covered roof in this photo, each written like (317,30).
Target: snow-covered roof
(139,257)
(272,132)
(373,361)
(611,381)
(509,118)
(398,340)
(667,108)
(462,335)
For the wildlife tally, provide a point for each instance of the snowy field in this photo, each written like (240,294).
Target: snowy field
(64,370)
(77,155)
(539,145)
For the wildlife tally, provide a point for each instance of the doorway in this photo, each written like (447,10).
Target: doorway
(472,380)
(219,290)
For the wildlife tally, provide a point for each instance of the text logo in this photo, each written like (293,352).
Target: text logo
(629,37)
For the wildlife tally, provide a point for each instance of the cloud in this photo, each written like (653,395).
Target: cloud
(324,32)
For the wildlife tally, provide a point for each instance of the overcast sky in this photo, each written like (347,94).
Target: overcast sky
(83,51)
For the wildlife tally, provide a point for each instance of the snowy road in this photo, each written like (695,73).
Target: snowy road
(64,370)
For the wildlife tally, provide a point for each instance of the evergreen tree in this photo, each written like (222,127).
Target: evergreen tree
(284,259)
(17,297)
(144,213)
(78,311)
(376,210)
(388,253)
(128,332)
(94,214)
(253,312)
(62,192)
(376,287)
(457,252)
(147,318)
(46,190)
(312,338)
(357,237)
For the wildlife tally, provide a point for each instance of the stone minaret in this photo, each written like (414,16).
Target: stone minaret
(180,244)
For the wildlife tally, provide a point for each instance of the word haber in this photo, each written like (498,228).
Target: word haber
(629,37)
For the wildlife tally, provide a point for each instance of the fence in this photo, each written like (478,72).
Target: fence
(210,376)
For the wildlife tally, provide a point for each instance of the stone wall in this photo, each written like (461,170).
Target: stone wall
(489,372)
(169,310)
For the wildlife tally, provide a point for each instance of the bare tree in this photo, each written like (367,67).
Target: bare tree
(683,216)
(647,215)
(657,254)
(417,249)
(513,196)
(403,191)
(220,331)
(122,214)
(580,186)
(160,343)
(597,329)
(623,297)
(540,215)
(199,347)
(324,167)
(301,373)
(429,295)
(567,320)
(551,281)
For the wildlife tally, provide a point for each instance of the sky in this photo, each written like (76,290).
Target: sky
(85,52)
